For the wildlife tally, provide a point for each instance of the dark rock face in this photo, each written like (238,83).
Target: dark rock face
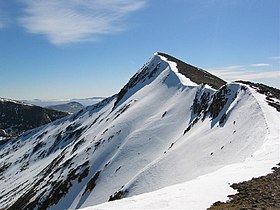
(200,103)
(271,93)
(118,195)
(132,82)
(195,74)
(214,106)
(2,132)
(264,89)
(16,118)
(218,102)
(92,182)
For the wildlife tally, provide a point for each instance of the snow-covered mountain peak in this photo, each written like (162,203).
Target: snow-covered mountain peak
(165,69)
(166,126)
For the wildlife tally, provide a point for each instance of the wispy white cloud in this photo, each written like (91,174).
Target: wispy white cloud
(243,72)
(240,67)
(275,57)
(260,65)
(233,67)
(246,75)
(2,25)
(3,20)
(67,21)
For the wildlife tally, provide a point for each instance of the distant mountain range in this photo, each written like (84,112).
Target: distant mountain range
(174,137)
(45,103)
(71,107)
(19,116)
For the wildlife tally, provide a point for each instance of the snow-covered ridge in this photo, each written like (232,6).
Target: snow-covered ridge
(192,73)
(14,101)
(157,133)
(165,68)
(173,65)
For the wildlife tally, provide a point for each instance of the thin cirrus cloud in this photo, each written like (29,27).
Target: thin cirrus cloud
(2,25)
(276,58)
(69,21)
(232,73)
(260,65)
(237,75)
(3,21)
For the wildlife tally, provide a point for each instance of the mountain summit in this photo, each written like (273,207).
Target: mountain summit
(195,74)
(171,125)
(187,74)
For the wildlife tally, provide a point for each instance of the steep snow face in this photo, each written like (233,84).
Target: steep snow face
(225,129)
(211,142)
(202,191)
(159,130)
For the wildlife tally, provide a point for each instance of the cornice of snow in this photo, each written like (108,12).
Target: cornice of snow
(195,74)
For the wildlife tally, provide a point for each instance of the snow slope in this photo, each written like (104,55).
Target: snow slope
(161,133)
(202,191)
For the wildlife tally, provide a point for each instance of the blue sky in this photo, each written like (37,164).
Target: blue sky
(59,49)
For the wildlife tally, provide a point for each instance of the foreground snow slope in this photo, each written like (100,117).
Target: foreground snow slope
(162,129)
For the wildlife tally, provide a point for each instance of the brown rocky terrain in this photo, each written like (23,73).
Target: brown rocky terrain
(258,193)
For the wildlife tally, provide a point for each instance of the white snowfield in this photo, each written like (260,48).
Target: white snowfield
(147,145)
